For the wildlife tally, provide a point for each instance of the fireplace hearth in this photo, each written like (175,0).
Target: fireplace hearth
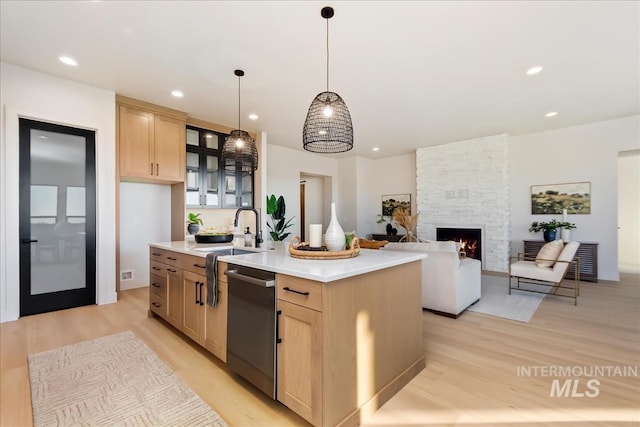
(470,238)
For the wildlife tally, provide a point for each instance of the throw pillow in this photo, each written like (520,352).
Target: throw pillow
(549,253)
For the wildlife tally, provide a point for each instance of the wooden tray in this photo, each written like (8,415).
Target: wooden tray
(352,252)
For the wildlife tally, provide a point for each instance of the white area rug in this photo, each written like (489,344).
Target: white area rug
(113,380)
(496,301)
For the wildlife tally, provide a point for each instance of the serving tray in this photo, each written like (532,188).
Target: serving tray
(313,253)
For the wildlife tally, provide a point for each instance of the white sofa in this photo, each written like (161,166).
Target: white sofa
(449,284)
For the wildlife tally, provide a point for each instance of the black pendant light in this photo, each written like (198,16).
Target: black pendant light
(328,127)
(239,151)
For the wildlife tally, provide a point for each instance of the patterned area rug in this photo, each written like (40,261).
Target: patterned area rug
(113,380)
(496,301)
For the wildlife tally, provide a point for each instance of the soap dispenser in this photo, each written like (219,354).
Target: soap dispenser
(247,238)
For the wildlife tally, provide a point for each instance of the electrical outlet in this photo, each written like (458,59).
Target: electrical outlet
(126,275)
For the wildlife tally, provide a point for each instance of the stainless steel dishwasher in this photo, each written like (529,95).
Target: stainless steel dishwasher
(252,326)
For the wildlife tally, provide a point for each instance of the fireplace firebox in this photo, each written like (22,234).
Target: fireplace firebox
(470,238)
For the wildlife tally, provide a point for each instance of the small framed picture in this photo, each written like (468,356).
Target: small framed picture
(552,198)
(392,202)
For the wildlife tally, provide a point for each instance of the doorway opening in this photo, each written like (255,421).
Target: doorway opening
(315,202)
(628,208)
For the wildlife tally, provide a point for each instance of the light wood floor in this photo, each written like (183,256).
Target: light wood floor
(471,377)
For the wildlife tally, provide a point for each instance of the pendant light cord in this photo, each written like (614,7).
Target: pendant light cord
(239,102)
(327,54)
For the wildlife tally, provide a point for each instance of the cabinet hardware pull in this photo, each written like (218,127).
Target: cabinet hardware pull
(155,304)
(172,259)
(157,169)
(156,268)
(151,173)
(294,291)
(199,266)
(155,254)
(278,339)
(195,288)
(172,271)
(201,302)
(27,241)
(155,285)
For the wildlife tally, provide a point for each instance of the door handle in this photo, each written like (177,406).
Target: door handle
(288,289)
(155,285)
(248,279)
(157,169)
(201,302)
(195,288)
(27,241)
(278,339)
(151,169)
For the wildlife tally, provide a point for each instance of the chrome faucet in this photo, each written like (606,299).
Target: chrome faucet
(258,231)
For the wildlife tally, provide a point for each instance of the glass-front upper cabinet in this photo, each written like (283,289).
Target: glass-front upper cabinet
(207,185)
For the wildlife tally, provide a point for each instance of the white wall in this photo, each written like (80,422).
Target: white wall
(629,211)
(145,216)
(390,175)
(284,168)
(25,93)
(574,154)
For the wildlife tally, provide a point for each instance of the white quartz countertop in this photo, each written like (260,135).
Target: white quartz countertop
(280,261)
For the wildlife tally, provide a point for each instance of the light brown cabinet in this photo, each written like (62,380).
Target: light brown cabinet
(151,146)
(300,361)
(215,329)
(178,294)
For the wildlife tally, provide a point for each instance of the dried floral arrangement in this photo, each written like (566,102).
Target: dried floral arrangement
(404,219)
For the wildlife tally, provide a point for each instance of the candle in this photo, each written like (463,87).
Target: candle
(315,235)
(564,215)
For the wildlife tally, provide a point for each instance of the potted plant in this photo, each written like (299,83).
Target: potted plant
(276,209)
(549,229)
(194,222)
(565,233)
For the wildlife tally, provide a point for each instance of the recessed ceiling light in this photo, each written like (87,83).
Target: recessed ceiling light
(534,70)
(253,116)
(43,137)
(375,149)
(551,114)
(177,93)
(68,60)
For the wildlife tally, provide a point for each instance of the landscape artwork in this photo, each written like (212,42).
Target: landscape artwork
(391,202)
(551,199)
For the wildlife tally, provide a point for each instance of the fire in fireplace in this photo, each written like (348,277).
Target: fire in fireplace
(470,238)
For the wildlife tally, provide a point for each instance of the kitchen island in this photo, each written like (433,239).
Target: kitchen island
(350,330)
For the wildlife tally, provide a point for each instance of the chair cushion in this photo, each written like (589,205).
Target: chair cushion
(549,253)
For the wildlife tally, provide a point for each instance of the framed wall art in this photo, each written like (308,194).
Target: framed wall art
(393,201)
(547,199)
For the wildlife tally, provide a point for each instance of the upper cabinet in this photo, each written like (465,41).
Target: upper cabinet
(151,142)
(207,185)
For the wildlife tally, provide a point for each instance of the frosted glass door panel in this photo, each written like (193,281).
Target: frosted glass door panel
(58,260)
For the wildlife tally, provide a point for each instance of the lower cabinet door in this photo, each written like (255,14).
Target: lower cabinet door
(300,361)
(215,339)
(174,295)
(194,293)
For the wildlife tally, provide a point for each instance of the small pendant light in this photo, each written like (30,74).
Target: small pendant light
(239,151)
(328,127)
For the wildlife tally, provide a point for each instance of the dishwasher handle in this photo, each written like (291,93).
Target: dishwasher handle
(249,279)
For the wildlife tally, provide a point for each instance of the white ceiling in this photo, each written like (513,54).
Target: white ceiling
(412,73)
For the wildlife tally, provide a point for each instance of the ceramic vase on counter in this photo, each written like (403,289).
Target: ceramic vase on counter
(334,236)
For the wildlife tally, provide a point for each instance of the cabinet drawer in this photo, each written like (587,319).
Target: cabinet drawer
(194,264)
(173,258)
(158,305)
(156,254)
(305,293)
(158,284)
(158,268)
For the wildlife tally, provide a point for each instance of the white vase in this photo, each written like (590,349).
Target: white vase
(334,236)
(565,235)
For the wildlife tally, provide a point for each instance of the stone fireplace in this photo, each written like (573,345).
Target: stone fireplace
(469,238)
(465,185)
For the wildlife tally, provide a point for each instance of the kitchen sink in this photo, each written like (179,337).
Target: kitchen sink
(225,251)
